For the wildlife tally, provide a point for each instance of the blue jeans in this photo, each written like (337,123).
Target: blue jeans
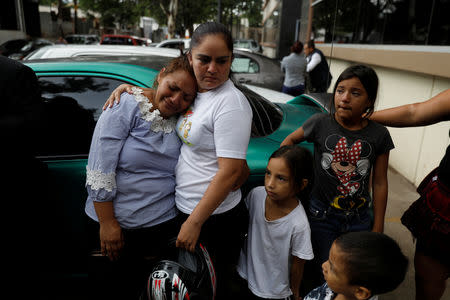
(293,90)
(327,223)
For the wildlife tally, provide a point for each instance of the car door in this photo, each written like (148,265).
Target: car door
(246,70)
(72,105)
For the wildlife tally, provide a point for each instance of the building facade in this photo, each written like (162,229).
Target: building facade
(407,42)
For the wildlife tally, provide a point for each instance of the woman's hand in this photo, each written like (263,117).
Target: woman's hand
(115,95)
(188,235)
(111,239)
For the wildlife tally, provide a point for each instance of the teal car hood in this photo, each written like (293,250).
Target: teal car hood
(295,113)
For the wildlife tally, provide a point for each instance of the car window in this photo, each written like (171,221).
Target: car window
(113,40)
(42,43)
(15,44)
(174,45)
(244,65)
(72,105)
(72,40)
(140,42)
(91,40)
(242,44)
(27,47)
(267,117)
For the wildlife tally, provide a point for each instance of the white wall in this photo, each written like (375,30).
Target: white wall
(417,150)
(6,35)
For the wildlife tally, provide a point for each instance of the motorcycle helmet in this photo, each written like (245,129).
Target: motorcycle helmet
(183,275)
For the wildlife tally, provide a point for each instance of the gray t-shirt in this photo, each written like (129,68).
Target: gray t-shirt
(294,67)
(343,159)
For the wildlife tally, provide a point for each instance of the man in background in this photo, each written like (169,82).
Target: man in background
(317,69)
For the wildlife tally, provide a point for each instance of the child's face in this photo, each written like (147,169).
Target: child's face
(278,180)
(350,100)
(335,273)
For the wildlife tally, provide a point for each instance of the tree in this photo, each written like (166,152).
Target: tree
(179,15)
(188,13)
(194,12)
(124,12)
(171,14)
(252,10)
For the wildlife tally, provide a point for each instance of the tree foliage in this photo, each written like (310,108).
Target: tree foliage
(189,12)
(252,10)
(124,12)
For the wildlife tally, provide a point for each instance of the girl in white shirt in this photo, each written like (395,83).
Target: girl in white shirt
(278,241)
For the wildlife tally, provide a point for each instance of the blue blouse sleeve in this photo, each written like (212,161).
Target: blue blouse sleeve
(109,136)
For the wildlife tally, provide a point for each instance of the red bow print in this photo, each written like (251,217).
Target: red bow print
(342,154)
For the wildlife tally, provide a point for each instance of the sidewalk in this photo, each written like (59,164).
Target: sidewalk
(401,194)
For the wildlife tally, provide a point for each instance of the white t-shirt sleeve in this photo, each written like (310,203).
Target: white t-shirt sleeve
(301,244)
(232,134)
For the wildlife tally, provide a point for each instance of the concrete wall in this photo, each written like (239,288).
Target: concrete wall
(417,150)
(6,35)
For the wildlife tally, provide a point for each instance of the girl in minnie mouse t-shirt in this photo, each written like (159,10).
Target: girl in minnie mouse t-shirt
(347,148)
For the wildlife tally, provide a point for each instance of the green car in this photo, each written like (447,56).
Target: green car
(74,92)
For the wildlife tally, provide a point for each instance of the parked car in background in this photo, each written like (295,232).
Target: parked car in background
(256,69)
(58,51)
(121,39)
(248,67)
(30,47)
(182,44)
(73,93)
(84,39)
(249,44)
(12,46)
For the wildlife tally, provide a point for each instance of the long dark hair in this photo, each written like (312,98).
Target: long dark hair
(369,80)
(299,161)
(211,28)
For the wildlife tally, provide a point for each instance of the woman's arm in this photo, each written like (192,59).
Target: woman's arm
(380,191)
(294,138)
(115,95)
(111,238)
(431,111)
(108,139)
(242,178)
(229,171)
(296,275)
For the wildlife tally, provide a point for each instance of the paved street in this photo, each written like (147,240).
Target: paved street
(401,194)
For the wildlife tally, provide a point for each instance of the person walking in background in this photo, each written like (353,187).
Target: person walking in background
(317,69)
(428,218)
(294,68)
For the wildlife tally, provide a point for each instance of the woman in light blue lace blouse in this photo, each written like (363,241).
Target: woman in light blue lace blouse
(131,177)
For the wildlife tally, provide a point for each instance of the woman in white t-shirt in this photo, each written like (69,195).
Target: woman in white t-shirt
(215,132)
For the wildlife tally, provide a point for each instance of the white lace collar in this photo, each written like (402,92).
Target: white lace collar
(158,123)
